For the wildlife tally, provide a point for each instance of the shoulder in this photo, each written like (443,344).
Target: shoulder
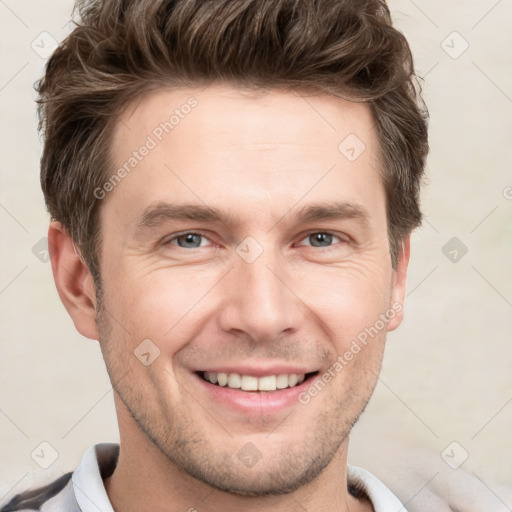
(34,499)
(98,462)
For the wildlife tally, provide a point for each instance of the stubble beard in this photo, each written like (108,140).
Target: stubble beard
(188,449)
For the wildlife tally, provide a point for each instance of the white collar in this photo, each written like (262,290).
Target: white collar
(88,486)
(383,500)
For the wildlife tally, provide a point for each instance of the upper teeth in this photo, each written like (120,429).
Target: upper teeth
(251,383)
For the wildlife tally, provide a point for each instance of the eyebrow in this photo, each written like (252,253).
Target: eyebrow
(161,212)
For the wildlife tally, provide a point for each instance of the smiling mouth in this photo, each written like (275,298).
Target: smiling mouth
(251,383)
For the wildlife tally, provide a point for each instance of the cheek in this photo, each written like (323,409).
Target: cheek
(348,299)
(158,304)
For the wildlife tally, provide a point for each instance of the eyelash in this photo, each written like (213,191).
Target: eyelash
(306,235)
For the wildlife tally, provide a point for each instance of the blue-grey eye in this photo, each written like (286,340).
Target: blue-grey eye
(320,239)
(191,240)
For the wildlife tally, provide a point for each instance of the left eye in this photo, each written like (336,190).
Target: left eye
(187,240)
(321,238)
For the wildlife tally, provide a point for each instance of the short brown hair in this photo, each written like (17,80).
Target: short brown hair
(121,49)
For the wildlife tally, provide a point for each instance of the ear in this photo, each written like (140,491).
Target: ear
(73,280)
(398,285)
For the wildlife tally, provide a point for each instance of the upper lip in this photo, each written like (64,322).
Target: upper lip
(260,370)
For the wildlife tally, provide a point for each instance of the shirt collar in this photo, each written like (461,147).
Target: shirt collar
(97,462)
(382,499)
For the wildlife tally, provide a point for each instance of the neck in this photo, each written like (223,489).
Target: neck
(145,480)
(158,486)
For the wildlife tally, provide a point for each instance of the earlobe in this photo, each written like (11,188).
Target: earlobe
(399,284)
(73,280)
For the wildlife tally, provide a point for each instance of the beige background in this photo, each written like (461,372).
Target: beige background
(447,373)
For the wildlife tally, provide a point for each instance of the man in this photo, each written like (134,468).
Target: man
(232,186)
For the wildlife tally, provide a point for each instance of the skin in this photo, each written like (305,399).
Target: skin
(261,158)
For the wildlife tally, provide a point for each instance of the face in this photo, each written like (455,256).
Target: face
(246,245)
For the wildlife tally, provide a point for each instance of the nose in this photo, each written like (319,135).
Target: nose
(261,299)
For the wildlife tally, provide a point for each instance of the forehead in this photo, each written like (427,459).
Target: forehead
(223,146)
(244,117)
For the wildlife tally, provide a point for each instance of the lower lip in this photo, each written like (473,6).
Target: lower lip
(255,402)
